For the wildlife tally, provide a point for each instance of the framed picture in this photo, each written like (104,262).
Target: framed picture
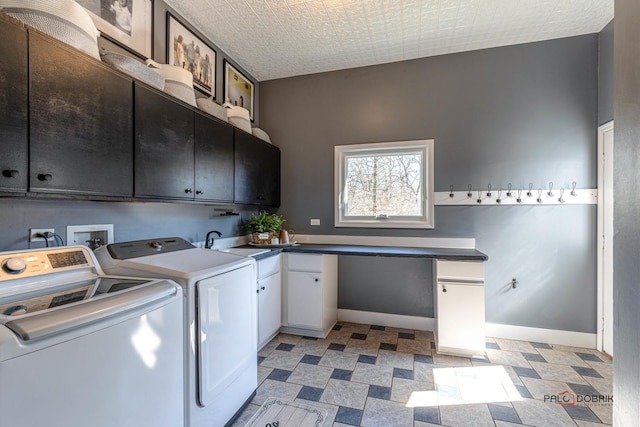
(186,50)
(238,90)
(124,22)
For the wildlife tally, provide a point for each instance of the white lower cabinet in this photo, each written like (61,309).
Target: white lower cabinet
(459,299)
(311,294)
(269,299)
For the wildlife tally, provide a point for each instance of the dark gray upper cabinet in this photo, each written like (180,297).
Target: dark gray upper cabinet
(213,159)
(81,123)
(257,171)
(164,146)
(14,125)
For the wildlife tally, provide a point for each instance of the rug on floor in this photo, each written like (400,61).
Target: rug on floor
(280,413)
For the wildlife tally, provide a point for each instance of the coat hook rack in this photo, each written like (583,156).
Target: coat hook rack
(550,193)
(539,199)
(451,191)
(509,193)
(498,200)
(573,189)
(479,197)
(560,199)
(489,190)
(469,195)
(519,199)
(529,193)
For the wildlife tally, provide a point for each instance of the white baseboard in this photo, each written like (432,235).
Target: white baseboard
(548,336)
(415,242)
(386,319)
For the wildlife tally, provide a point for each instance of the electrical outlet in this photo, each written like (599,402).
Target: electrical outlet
(315,221)
(33,232)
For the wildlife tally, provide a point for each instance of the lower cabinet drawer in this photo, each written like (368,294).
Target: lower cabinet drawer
(304,262)
(268,266)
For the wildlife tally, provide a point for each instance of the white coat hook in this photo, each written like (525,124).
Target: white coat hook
(451,191)
(539,199)
(519,199)
(529,193)
(498,201)
(509,193)
(489,190)
(479,197)
(573,189)
(561,200)
(550,193)
(469,195)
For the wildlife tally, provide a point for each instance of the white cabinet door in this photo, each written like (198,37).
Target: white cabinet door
(269,307)
(460,318)
(304,299)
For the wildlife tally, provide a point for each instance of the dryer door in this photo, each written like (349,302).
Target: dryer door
(227,330)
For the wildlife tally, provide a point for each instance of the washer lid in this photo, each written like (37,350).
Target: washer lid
(140,248)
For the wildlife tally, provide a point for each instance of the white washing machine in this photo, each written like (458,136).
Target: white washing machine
(78,348)
(220,313)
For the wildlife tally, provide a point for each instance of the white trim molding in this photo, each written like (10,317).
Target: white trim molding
(387,319)
(413,242)
(548,336)
(539,197)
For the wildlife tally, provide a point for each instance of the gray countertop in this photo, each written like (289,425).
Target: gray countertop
(451,254)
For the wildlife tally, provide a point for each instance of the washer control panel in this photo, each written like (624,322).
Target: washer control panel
(34,263)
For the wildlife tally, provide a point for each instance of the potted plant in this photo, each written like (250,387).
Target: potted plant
(264,227)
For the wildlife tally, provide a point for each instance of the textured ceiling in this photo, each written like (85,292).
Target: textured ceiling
(282,38)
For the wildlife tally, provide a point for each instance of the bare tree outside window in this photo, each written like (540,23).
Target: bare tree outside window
(384,185)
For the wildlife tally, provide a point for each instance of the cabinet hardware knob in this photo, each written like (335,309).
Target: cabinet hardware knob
(316,279)
(188,190)
(444,289)
(44,177)
(262,288)
(10,173)
(199,192)
(257,291)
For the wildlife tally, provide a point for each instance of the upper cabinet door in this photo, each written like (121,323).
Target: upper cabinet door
(14,131)
(213,160)
(257,171)
(164,146)
(81,122)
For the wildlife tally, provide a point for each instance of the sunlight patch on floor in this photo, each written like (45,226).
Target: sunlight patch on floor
(461,386)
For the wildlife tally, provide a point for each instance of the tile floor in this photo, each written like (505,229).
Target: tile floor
(367,375)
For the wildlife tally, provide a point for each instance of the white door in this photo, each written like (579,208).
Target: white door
(269,307)
(460,318)
(304,299)
(605,238)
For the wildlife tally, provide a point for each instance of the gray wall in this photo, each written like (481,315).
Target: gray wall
(626,240)
(605,74)
(514,114)
(132,221)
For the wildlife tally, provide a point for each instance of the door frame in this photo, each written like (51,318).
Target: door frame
(601,228)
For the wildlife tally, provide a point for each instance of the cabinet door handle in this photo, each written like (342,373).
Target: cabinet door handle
(45,177)
(188,190)
(199,192)
(257,291)
(10,173)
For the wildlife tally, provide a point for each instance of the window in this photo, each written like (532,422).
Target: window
(384,185)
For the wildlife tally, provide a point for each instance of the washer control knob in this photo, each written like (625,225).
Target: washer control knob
(156,245)
(14,265)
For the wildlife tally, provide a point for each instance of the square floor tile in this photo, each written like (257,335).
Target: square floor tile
(356,336)
(589,356)
(282,360)
(260,359)
(474,415)
(332,410)
(270,388)
(395,359)
(561,357)
(504,413)
(349,416)
(587,372)
(279,375)
(491,345)
(427,415)
(363,358)
(379,412)
(406,336)
(310,359)
(373,374)
(553,372)
(541,345)
(407,374)
(310,393)
(362,347)
(336,327)
(413,346)
(403,390)
(421,358)
(387,346)
(311,375)
(585,390)
(513,345)
(534,357)
(345,393)
(313,347)
(526,372)
(379,392)
(537,413)
(342,374)
(524,392)
(377,328)
(336,347)
(581,413)
(505,357)
(285,347)
(338,359)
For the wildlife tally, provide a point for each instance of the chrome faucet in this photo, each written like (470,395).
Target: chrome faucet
(208,241)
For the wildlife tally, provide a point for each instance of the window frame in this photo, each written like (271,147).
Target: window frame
(424,146)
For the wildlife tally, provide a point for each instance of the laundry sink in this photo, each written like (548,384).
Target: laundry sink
(246,252)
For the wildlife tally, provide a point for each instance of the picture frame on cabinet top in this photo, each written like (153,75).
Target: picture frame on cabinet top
(190,52)
(238,89)
(127,23)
